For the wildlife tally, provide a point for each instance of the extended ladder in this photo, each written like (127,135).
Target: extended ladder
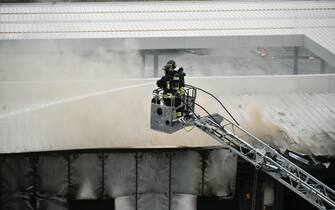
(268,159)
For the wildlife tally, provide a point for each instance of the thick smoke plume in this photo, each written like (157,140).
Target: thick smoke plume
(264,129)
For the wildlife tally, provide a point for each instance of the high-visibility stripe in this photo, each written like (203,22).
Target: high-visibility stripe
(167,95)
(181,91)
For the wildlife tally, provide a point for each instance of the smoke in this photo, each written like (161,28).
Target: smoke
(73,61)
(270,131)
(264,129)
(226,62)
(118,119)
(52,61)
(67,100)
(57,62)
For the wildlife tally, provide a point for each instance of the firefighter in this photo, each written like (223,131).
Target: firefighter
(178,85)
(173,84)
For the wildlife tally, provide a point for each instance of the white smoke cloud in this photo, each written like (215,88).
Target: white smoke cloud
(42,62)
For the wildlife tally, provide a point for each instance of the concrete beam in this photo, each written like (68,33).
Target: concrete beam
(14,46)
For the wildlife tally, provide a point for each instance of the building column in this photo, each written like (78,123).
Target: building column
(254,189)
(142,63)
(279,196)
(295,60)
(322,66)
(155,64)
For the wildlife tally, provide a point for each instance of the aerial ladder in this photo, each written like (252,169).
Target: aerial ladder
(240,142)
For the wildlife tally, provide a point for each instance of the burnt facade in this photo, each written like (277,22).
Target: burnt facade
(170,179)
(110,179)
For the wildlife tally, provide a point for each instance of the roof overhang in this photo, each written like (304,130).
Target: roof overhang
(168,25)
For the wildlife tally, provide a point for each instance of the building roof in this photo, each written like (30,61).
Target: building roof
(294,113)
(164,19)
(172,25)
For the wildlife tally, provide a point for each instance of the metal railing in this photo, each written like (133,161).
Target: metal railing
(187,99)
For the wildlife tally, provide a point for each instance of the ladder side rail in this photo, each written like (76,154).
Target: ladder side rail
(296,179)
(226,142)
(243,150)
(246,152)
(300,192)
(297,173)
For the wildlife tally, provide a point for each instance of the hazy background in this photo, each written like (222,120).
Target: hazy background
(41,64)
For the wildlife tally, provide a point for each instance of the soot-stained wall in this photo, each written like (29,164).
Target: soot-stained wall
(135,180)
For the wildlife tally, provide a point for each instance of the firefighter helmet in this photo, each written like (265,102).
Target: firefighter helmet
(172,64)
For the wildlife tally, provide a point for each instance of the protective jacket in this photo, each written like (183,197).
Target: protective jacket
(173,84)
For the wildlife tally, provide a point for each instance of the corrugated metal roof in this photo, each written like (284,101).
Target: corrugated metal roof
(300,122)
(121,20)
(289,112)
(173,24)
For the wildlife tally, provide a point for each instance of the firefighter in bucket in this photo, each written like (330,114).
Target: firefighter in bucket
(173,84)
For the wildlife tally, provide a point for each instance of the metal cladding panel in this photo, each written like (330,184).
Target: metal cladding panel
(85,176)
(52,172)
(186,172)
(16,183)
(17,203)
(153,201)
(125,203)
(220,173)
(146,179)
(153,173)
(183,202)
(120,175)
(52,204)
(11,181)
